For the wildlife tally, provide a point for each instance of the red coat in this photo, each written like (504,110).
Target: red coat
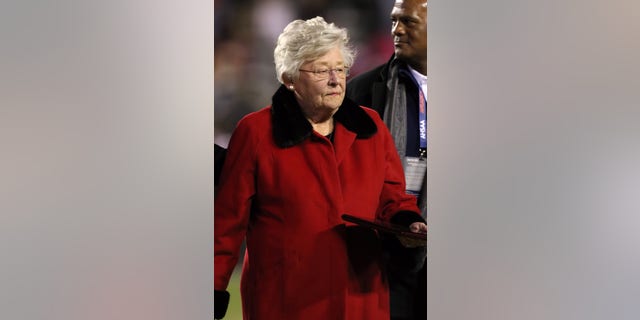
(285,187)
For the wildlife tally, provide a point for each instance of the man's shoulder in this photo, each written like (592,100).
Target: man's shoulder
(361,87)
(368,77)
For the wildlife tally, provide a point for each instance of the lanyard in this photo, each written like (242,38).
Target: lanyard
(422,123)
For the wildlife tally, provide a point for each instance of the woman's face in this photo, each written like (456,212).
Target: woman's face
(321,84)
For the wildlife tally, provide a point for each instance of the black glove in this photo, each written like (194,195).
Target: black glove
(220,304)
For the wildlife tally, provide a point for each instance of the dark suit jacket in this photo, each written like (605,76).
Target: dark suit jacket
(370,90)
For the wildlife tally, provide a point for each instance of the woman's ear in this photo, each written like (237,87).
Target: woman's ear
(289,85)
(288,82)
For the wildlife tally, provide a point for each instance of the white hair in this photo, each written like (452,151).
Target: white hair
(307,40)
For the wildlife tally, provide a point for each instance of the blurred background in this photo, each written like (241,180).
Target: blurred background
(245,36)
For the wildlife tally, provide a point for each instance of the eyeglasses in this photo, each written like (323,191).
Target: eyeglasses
(323,74)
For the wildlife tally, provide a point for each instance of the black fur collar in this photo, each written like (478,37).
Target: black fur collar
(290,127)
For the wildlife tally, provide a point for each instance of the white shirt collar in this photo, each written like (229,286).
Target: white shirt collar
(420,78)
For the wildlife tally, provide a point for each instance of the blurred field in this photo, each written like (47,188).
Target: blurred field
(235,306)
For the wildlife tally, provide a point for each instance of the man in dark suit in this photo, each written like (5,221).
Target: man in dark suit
(398,91)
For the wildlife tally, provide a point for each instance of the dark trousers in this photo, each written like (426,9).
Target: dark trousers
(407,274)
(420,305)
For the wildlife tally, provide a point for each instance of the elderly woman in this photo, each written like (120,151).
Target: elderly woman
(292,169)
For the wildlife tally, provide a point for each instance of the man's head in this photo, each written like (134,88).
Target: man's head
(409,29)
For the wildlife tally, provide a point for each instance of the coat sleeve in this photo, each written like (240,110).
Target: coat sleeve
(233,202)
(393,198)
